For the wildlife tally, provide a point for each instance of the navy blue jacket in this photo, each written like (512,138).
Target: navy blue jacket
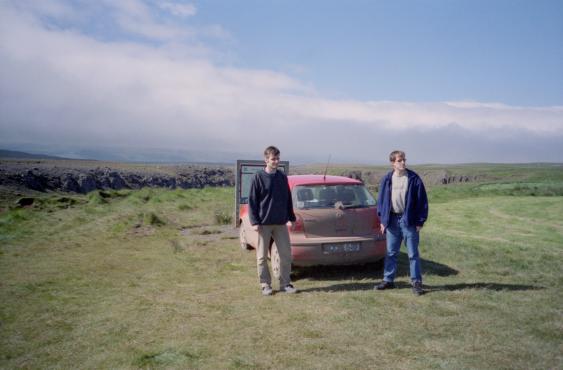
(416,201)
(269,200)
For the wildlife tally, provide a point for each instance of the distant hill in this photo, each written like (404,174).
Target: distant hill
(24,155)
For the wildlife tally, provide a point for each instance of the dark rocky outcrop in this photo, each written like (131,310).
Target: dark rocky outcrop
(430,177)
(85,180)
(86,176)
(355,174)
(69,183)
(443,177)
(33,180)
(25,201)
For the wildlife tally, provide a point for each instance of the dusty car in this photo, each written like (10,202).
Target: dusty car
(337,222)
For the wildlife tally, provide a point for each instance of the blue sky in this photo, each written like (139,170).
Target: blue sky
(447,81)
(502,51)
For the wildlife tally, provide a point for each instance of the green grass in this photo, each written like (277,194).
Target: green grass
(156,279)
(445,193)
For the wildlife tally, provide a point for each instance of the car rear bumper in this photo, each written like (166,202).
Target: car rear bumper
(307,253)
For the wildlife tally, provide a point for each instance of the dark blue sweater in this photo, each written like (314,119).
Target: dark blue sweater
(269,200)
(416,201)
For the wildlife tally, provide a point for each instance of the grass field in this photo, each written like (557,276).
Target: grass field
(156,279)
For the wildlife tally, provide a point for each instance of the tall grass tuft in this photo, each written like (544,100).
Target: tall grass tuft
(223,218)
(10,223)
(184,207)
(97,198)
(144,195)
(152,219)
(177,246)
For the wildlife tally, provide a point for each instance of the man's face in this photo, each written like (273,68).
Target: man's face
(272,161)
(399,164)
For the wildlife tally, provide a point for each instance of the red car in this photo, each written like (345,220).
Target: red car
(337,223)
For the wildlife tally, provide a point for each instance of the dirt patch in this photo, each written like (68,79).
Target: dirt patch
(210,233)
(140,230)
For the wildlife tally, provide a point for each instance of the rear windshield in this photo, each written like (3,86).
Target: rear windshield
(331,196)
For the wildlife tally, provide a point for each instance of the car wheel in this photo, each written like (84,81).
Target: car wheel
(242,239)
(275,261)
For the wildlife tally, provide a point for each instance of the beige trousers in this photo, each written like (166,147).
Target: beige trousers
(281,239)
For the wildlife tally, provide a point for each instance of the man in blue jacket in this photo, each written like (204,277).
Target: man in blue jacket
(402,206)
(270,209)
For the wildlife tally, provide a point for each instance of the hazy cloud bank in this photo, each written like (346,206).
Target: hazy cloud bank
(63,84)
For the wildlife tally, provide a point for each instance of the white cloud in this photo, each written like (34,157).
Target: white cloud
(178,9)
(60,86)
(50,8)
(136,17)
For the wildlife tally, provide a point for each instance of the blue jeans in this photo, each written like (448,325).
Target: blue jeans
(397,230)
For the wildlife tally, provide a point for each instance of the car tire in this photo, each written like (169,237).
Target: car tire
(242,239)
(275,261)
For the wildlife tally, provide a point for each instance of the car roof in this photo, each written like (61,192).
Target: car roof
(295,180)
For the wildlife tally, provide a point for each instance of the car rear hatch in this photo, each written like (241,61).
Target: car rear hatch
(335,210)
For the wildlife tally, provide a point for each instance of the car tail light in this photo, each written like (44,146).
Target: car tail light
(298,226)
(376,224)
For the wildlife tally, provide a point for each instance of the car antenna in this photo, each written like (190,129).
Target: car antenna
(326,168)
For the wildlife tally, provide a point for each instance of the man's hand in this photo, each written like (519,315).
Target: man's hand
(289,223)
(418,229)
(256,227)
(382,227)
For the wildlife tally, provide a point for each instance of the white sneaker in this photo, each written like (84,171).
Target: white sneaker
(267,290)
(289,289)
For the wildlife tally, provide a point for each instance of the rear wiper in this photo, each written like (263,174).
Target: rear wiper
(339,205)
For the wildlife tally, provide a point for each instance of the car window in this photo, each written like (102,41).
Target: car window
(247,174)
(331,196)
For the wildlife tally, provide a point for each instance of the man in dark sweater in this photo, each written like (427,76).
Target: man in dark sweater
(270,209)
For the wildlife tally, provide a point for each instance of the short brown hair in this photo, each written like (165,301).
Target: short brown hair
(396,153)
(271,150)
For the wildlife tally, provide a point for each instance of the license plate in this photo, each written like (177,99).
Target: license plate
(341,248)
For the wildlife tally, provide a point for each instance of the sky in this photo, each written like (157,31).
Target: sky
(447,81)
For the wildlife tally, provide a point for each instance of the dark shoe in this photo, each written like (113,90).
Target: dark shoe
(385,285)
(417,288)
